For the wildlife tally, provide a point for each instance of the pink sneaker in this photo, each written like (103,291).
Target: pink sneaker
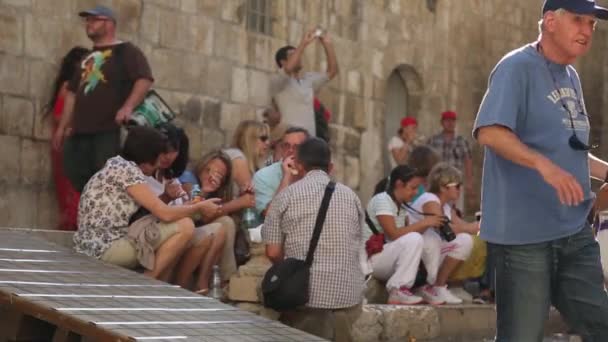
(431,295)
(403,296)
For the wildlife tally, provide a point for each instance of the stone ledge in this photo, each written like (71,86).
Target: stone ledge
(59,237)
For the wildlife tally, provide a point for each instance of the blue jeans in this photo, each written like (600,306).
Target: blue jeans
(564,272)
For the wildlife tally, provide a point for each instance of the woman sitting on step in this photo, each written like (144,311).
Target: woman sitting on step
(399,259)
(116,192)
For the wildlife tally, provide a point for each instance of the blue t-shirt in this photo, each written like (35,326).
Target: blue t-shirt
(518,206)
(266,182)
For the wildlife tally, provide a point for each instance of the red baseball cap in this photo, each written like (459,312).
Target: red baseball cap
(448,115)
(408,121)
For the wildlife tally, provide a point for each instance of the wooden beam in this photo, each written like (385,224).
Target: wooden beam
(64,335)
(17,326)
(60,319)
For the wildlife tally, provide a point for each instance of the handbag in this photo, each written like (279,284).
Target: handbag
(285,284)
(242,252)
(153,110)
(375,243)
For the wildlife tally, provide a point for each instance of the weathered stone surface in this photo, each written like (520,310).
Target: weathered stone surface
(10,159)
(17,117)
(186,32)
(211,113)
(240,87)
(244,289)
(213,139)
(180,71)
(369,325)
(150,23)
(352,172)
(17,204)
(402,322)
(47,216)
(258,85)
(14,78)
(35,162)
(11,26)
(256,267)
(218,78)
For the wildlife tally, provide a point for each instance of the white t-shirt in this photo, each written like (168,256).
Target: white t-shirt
(383,204)
(421,201)
(394,143)
(294,98)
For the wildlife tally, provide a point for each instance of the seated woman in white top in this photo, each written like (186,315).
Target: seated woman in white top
(399,260)
(441,257)
(117,191)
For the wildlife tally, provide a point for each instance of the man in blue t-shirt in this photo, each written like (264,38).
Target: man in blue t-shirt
(536,191)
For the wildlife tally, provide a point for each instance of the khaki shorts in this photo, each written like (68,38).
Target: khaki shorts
(123,253)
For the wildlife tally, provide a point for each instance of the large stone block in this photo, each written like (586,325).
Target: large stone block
(14,71)
(244,289)
(212,109)
(54,9)
(186,32)
(39,71)
(150,23)
(42,36)
(47,216)
(402,322)
(177,70)
(35,162)
(259,88)
(17,205)
(240,86)
(368,326)
(10,159)
(213,139)
(353,173)
(234,11)
(11,26)
(230,42)
(259,53)
(218,78)
(255,267)
(17,117)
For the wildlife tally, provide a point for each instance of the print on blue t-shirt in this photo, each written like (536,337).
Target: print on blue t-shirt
(518,206)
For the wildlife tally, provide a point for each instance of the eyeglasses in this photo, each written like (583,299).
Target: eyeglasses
(574,141)
(455,185)
(263,138)
(288,146)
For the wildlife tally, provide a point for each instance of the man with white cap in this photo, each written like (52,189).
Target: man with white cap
(536,188)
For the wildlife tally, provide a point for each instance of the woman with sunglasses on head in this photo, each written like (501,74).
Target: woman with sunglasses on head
(440,256)
(399,259)
(213,174)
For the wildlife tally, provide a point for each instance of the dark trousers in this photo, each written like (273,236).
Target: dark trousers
(85,154)
(564,272)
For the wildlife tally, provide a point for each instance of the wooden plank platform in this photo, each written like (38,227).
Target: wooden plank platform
(83,297)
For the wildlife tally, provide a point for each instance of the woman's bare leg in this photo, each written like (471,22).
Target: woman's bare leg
(212,258)
(190,262)
(171,249)
(447,267)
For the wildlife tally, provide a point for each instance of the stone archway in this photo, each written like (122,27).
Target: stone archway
(403,94)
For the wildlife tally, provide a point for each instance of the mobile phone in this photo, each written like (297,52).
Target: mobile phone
(318,32)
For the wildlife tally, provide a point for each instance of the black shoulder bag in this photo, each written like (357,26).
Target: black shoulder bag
(285,284)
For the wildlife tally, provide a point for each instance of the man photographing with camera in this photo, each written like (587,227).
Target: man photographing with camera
(536,189)
(292,90)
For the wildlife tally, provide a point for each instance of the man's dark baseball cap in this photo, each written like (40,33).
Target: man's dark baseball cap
(99,10)
(586,7)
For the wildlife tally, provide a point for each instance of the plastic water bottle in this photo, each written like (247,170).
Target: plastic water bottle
(249,219)
(195,193)
(216,285)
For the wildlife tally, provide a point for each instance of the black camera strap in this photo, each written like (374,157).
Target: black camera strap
(371,224)
(329,190)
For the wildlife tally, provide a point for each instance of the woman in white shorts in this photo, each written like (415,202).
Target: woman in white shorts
(442,257)
(399,259)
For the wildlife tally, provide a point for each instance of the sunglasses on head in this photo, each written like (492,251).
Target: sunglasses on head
(455,185)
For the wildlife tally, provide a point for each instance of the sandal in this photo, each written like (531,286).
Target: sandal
(202,292)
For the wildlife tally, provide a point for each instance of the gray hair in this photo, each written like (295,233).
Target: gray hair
(541,22)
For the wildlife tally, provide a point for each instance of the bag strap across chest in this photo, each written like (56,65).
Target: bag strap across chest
(329,190)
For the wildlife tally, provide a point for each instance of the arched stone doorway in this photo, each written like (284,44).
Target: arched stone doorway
(403,93)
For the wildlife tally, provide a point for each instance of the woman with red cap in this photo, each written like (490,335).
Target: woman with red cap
(403,143)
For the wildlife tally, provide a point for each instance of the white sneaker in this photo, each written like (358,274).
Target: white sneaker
(403,296)
(462,294)
(446,295)
(430,295)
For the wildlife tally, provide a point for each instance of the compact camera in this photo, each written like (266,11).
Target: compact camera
(446,232)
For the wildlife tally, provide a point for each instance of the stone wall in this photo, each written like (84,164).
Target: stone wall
(215,73)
